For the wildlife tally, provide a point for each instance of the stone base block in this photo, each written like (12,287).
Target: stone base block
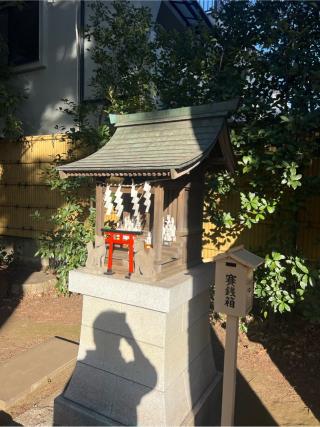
(69,413)
(207,412)
(145,356)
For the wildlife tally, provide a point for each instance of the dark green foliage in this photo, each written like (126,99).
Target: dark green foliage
(282,284)
(90,130)
(187,67)
(65,246)
(10,98)
(268,54)
(276,131)
(72,227)
(123,54)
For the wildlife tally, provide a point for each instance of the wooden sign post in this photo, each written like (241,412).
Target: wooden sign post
(233,297)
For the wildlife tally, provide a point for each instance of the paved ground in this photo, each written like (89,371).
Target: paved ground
(31,369)
(37,408)
(33,320)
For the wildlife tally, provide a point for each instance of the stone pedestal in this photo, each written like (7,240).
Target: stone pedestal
(145,356)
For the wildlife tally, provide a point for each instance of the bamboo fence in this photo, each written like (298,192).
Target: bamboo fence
(23,190)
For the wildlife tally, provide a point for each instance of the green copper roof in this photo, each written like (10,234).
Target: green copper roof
(161,141)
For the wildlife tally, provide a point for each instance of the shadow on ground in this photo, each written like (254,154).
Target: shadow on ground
(249,410)
(13,276)
(6,420)
(294,346)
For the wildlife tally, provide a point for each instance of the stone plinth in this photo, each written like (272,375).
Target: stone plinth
(145,356)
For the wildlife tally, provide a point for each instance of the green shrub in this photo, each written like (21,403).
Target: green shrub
(282,283)
(65,247)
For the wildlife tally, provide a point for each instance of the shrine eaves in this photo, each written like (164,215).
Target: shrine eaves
(167,143)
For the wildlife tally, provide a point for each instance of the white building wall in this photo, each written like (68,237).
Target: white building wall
(58,75)
(57,78)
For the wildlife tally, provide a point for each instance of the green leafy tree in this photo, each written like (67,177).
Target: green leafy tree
(267,54)
(276,133)
(124,56)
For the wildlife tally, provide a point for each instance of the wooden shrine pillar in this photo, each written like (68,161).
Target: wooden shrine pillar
(99,208)
(182,219)
(189,217)
(157,225)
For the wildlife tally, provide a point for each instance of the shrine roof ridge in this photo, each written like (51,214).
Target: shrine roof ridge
(162,143)
(218,109)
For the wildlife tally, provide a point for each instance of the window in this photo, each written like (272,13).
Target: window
(19,26)
(191,12)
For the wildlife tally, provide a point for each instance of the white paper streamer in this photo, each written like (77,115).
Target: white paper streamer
(168,229)
(108,200)
(147,195)
(118,201)
(135,201)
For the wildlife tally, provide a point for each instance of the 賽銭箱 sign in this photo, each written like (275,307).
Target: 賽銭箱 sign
(233,297)
(234,281)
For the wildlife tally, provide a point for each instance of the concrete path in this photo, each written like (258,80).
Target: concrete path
(33,368)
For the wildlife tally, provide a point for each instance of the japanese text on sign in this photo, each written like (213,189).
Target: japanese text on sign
(230,291)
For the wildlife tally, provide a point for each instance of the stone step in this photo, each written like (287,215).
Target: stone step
(174,250)
(33,368)
(170,268)
(167,251)
(169,260)
(29,282)
(119,254)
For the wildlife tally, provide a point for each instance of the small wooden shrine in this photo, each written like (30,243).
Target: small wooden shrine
(150,184)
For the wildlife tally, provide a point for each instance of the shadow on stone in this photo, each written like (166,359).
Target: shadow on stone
(104,386)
